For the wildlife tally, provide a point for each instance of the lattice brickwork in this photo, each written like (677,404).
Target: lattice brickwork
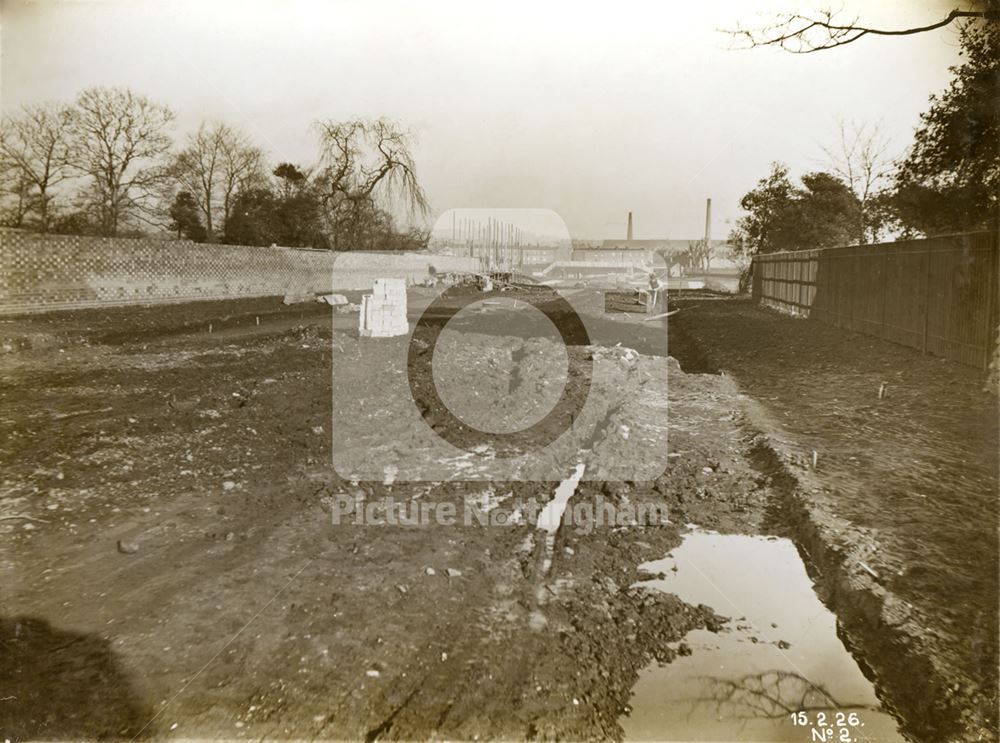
(40,272)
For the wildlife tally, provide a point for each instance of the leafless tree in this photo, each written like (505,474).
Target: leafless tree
(215,164)
(34,157)
(17,194)
(366,168)
(825,29)
(860,159)
(699,254)
(119,139)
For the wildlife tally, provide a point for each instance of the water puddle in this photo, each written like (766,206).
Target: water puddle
(551,516)
(549,521)
(779,654)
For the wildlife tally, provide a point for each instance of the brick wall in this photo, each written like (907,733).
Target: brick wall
(52,272)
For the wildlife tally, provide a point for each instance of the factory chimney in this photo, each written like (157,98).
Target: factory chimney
(708,223)
(629,234)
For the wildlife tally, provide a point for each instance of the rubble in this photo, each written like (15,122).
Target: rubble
(334,300)
(298,298)
(127,548)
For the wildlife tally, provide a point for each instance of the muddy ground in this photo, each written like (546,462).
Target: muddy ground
(899,512)
(171,568)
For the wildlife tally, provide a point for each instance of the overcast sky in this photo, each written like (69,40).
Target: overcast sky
(586,109)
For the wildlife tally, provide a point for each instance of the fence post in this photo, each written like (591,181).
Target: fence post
(854,293)
(927,297)
(885,287)
(993,294)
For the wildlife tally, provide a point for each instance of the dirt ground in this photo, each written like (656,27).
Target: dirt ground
(171,567)
(902,500)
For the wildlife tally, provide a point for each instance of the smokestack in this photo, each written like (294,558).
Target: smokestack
(629,233)
(708,223)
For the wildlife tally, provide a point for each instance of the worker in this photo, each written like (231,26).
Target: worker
(652,294)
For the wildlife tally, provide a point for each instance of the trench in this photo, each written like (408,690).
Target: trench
(783,650)
(779,654)
(904,677)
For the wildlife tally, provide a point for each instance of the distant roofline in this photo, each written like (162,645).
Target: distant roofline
(665,243)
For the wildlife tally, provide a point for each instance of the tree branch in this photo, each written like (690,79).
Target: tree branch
(801,34)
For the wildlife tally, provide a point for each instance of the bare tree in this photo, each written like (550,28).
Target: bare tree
(861,161)
(216,163)
(367,168)
(699,254)
(119,140)
(34,151)
(17,192)
(803,34)
(243,167)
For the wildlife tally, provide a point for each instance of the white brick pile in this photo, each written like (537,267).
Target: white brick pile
(383,312)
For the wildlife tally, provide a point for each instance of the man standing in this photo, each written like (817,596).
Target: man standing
(652,293)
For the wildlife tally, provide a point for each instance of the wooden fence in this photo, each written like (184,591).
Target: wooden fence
(939,294)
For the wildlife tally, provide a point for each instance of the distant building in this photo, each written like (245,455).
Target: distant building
(505,256)
(626,252)
(639,252)
(541,255)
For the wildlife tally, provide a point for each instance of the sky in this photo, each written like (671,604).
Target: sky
(587,109)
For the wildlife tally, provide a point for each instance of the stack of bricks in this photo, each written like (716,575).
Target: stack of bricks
(383,312)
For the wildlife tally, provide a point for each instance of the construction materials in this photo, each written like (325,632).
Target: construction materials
(661,315)
(383,312)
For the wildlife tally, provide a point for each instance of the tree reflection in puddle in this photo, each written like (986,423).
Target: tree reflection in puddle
(773,695)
